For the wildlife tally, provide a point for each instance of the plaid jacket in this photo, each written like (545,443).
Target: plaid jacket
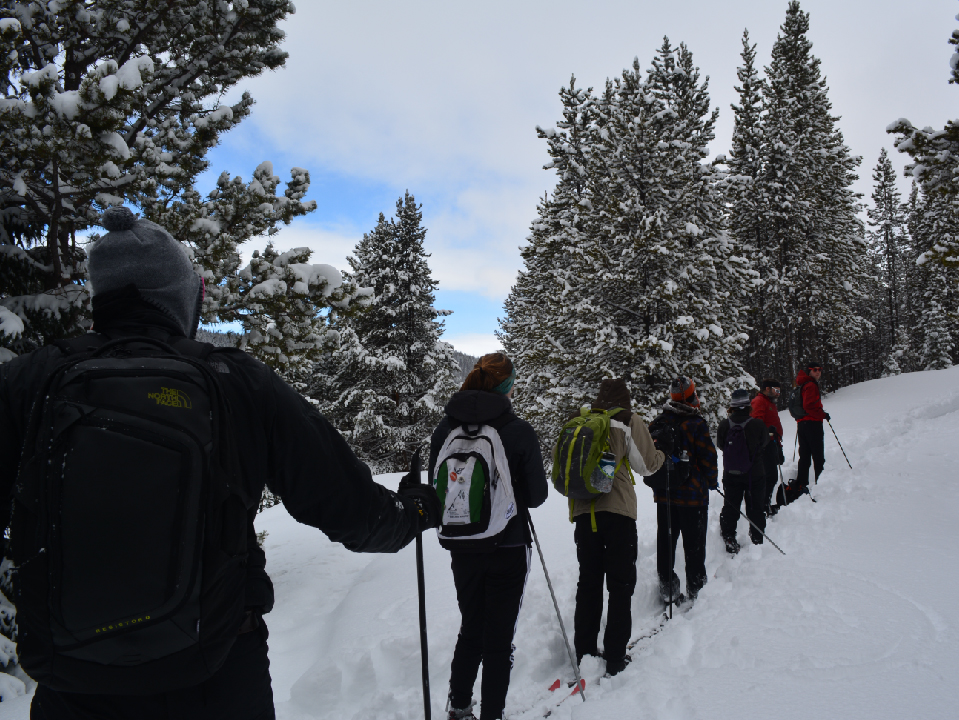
(703,474)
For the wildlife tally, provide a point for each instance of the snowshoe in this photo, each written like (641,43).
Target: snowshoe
(732,545)
(664,590)
(615,667)
(464,714)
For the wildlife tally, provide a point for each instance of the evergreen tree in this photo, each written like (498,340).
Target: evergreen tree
(890,249)
(934,219)
(747,214)
(629,272)
(120,101)
(816,279)
(393,373)
(936,335)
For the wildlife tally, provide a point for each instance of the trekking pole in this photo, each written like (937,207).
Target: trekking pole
(795,444)
(421,590)
(754,524)
(569,648)
(672,547)
(840,444)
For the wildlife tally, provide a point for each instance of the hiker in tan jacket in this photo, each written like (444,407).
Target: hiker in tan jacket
(605,534)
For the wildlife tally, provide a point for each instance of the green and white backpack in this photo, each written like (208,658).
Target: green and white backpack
(474,486)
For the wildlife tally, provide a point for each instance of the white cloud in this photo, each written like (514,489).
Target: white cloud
(329,246)
(443,98)
(476,344)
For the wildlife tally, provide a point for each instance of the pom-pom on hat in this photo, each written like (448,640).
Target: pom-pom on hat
(683,389)
(139,252)
(739,399)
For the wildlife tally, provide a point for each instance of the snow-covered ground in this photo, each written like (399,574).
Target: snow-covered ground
(858,620)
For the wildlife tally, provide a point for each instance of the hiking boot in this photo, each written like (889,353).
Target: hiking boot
(773,509)
(732,545)
(664,590)
(615,667)
(464,714)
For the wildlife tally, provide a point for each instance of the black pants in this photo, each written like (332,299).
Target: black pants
(609,552)
(811,450)
(754,492)
(690,522)
(772,457)
(489,590)
(240,690)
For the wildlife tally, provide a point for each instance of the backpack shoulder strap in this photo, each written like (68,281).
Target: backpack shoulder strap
(82,343)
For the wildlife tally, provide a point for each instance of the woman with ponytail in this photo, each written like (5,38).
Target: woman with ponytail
(490,577)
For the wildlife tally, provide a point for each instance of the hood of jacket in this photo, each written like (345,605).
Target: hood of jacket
(803,377)
(477,406)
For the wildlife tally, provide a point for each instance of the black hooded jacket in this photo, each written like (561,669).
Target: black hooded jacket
(522,454)
(756,440)
(283,442)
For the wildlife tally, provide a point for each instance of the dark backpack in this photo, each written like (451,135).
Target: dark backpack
(794,403)
(736,455)
(667,436)
(584,466)
(129,530)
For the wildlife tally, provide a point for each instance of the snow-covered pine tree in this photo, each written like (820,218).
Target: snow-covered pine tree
(394,374)
(889,246)
(629,272)
(815,237)
(120,101)
(747,214)
(935,217)
(935,339)
(548,308)
(935,166)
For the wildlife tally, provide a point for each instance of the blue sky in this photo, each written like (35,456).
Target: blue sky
(442,99)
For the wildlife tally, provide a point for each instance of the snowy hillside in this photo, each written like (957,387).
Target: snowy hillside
(856,621)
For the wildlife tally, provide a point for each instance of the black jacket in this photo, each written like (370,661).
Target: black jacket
(522,454)
(283,443)
(756,440)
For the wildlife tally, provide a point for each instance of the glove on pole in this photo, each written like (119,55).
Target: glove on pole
(840,444)
(421,590)
(569,648)
(754,525)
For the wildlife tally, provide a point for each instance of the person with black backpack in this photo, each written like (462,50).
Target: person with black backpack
(682,433)
(742,439)
(765,409)
(605,534)
(486,466)
(139,585)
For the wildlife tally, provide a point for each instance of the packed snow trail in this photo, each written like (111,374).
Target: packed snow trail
(856,621)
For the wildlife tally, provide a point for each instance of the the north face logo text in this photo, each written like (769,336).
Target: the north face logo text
(171,397)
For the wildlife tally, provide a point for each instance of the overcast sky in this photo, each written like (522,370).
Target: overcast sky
(442,98)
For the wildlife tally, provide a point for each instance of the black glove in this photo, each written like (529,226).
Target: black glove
(427,504)
(664,443)
(423,496)
(828,418)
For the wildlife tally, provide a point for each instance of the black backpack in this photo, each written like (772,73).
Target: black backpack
(737,458)
(666,435)
(794,403)
(129,530)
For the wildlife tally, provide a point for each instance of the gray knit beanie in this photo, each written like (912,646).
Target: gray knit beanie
(143,253)
(740,399)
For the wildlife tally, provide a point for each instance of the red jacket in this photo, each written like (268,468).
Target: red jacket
(765,409)
(811,398)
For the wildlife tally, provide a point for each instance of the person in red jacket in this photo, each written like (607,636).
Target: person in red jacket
(809,428)
(764,408)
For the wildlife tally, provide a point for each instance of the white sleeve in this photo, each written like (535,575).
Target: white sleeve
(636,462)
